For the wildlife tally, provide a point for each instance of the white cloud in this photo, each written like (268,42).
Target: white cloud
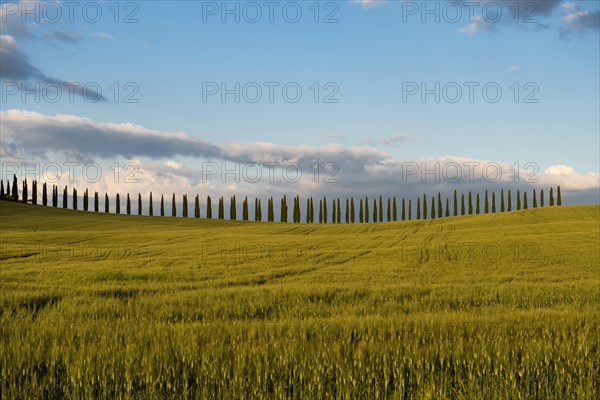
(396,140)
(102,35)
(514,68)
(370,3)
(477,25)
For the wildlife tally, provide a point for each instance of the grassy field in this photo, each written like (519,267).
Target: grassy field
(475,307)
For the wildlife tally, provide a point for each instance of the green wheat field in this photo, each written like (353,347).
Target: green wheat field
(495,306)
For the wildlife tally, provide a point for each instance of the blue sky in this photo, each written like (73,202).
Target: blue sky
(375,51)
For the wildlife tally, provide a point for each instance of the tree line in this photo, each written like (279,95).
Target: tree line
(368,210)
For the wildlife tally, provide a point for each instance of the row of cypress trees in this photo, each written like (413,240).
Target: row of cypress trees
(436,208)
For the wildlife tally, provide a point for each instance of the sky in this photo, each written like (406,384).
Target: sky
(351,98)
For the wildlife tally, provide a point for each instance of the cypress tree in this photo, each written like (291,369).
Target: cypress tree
(424,206)
(270,211)
(524,200)
(208,207)
(403,210)
(7,187)
(15,189)
(394,210)
(432,207)
(173,206)
(283,210)
(162,205)
(518,200)
(233,211)
(477,203)
(347,210)
(65,198)
(375,210)
(118,205)
(333,214)
(324,210)
(150,206)
(221,209)
(389,210)
(1,188)
(45,194)
(418,208)
(128,205)
(551,197)
(367,210)
(259,211)
(54,196)
(352,219)
(96,201)
(360,213)
(502,209)
(409,209)
(256,211)
(139,203)
(321,211)
(486,204)
(308,210)
(85,200)
(470,203)
(380,209)
(534,199)
(34,191)
(106,203)
(245,209)
(509,202)
(185,206)
(24,189)
(339,211)
(455,204)
(439,210)
(541,197)
(462,204)
(493,202)
(74,199)
(447,207)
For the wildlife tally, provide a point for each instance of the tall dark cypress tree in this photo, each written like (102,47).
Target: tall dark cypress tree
(15,189)
(162,205)
(493,202)
(259,211)
(233,209)
(208,207)
(524,200)
(380,209)
(394,210)
(184,207)
(65,198)
(96,201)
(508,201)
(118,204)
(347,211)
(375,210)
(74,199)
(389,210)
(271,211)
(541,197)
(409,209)
(418,208)
(25,194)
(197,207)
(339,211)
(367,210)
(432,207)
(447,207)
(455,204)
(308,210)
(45,194)
(173,206)
(106,203)
(321,211)
(477,203)
(85,200)
(462,204)
(486,203)
(439,201)
(534,199)
(361,212)
(256,211)
(470,203)
(139,203)
(128,205)
(8,192)
(333,213)
(324,210)
(245,209)
(34,191)
(551,197)
(424,206)
(1,188)
(518,200)
(352,214)
(150,206)
(403,210)
(502,208)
